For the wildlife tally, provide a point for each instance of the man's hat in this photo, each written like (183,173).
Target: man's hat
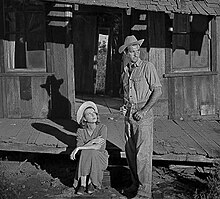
(130,40)
(83,107)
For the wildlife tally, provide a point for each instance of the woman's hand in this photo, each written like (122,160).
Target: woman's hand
(73,154)
(98,140)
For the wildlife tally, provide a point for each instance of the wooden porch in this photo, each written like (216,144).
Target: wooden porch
(174,140)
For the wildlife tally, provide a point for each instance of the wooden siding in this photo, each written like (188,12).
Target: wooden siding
(23,97)
(192,96)
(38,94)
(156,31)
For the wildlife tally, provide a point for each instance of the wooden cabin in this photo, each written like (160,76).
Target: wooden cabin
(50,51)
(54,51)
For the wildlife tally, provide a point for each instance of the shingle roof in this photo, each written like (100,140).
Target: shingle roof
(206,7)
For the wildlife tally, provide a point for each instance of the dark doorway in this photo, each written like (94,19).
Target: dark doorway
(96,38)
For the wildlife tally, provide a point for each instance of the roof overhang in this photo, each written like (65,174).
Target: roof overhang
(206,7)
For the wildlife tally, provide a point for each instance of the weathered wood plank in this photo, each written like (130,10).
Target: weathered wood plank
(40,98)
(1,53)
(25,132)
(175,140)
(194,136)
(45,132)
(209,132)
(215,125)
(71,78)
(163,137)
(30,148)
(34,134)
(158,148)
(217,20)
(185,142)
(26,97)
(205,95)
(1,99)
(4,99)
(179,97)
(13,97)
(191,129)
(115,126)
(211,147)
(9,128)
(190,99)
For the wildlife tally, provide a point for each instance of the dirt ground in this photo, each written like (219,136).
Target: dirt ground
(42,176)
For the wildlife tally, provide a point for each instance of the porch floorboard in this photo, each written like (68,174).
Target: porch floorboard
(192,141)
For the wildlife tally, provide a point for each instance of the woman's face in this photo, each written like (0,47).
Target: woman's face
(90,115)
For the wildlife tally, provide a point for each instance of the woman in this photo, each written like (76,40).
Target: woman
(91,142)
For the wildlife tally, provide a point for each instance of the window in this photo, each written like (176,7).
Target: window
(25,35)
(191,43)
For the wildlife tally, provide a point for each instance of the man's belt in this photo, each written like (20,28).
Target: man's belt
(136,106)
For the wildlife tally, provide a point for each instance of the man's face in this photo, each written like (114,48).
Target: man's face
(133,53)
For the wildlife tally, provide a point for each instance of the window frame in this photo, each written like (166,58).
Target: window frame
(6,44)
(172,72)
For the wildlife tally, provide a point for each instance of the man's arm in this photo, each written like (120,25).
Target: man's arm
(156,93)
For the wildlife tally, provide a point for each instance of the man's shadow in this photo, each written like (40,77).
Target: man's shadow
(63,130)
(59,106)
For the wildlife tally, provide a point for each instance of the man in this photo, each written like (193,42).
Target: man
(142,88)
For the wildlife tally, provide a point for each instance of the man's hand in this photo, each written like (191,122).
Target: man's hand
(123,110)
(138,115)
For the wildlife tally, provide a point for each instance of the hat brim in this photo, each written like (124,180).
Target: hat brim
(83,107)
(122,48)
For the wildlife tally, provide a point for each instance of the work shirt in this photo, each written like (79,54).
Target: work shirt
(139,84)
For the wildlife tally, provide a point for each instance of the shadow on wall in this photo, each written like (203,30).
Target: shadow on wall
(59,106)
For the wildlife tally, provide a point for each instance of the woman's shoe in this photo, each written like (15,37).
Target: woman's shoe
(90,189)
(81,190)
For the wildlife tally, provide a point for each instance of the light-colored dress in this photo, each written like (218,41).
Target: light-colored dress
(92,162)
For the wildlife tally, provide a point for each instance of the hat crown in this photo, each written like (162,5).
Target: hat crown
(130,39)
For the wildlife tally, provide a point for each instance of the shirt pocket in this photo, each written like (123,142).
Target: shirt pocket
(139,85)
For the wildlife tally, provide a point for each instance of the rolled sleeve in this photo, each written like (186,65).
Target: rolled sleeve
(152,76)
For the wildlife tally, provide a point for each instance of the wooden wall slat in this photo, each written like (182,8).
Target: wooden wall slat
(71,79)
(218,60)
(4,100)
(1,56)
(1,100)
(205,95)
(190,99)
(26,97)
(40,101)
(179,97)
(12,88)
(171,98)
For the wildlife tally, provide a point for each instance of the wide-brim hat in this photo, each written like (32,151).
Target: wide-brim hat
(83,107)
(130,40)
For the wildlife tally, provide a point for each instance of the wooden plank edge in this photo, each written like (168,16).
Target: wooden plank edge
(181,158)
(54,150)
(32,148)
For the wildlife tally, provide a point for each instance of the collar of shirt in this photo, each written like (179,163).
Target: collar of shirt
(137,64)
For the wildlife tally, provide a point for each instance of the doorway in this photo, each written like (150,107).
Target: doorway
(96,38)
(101,60)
